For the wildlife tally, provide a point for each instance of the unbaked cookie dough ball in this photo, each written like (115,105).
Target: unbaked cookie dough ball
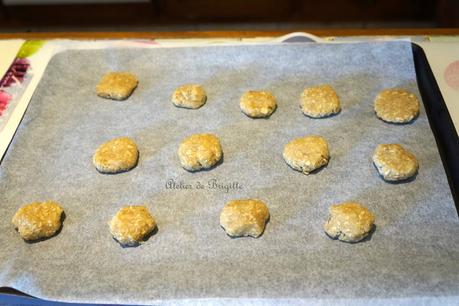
(394,162)
(117,85)
(117,155)
(306,154)
(244,218)
(132,225)
(396,106)
(200,151)
(189,96)
(38,220)
(349,222)
(258,104)
(320,101)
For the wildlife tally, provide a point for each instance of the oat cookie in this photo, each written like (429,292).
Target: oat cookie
(116,155)
(396,106)
(244,218)
(116,85)
(306,154)
(349,222)
(132,225)
(189,96)
(394,162)
(258,104)
(38,220)
(200,151)
(320,101)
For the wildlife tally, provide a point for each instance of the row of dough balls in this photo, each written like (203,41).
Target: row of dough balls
(350,222)
(305,154)
(132,225)
(391,105)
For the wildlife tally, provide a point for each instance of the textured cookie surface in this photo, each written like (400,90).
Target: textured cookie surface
(244,218)
(320,101)
(116,155)
(349,222)
(38,220)
(394,162)
(200,151)
(116,85)
(306,154)
(258,104)
(396,106)
(132,225)
(189,96)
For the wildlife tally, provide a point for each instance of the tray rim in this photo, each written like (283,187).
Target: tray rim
(439,118)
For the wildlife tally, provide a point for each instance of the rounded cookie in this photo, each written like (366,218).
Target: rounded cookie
(132,225)
(258,104)
(117,85)
(200,151)
(117,155)
(349,222)
(189,96)
(320,101)
(394,162)
(244,218)
(38,220)
(306,154)
(396,106)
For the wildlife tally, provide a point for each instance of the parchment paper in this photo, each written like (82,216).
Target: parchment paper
(414,252)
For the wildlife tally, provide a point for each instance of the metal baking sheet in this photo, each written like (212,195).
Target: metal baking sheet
(414,252)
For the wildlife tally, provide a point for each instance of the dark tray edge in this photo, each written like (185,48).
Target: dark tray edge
(440,121)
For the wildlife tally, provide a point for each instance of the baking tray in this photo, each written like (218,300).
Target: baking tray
(440,121)
(323,281)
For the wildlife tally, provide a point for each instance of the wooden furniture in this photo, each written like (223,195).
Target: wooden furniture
(441,13)
(229,34)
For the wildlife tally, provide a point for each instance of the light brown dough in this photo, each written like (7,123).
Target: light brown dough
(306,154)
(132,225)
(396,106)
(394,162)
(244,217)
(189,96)
(258,104)
(117,155)
(349,222)
(200,151)
(116,85)
(320,101)
(38,220)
